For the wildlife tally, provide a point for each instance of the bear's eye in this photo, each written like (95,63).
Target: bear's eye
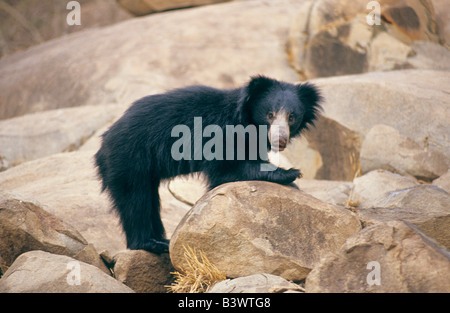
(291,118)
(270,115)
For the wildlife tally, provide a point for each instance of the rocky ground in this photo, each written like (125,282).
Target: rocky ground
(373,210)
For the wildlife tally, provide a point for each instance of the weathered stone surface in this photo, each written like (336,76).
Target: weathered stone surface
(371,189)
(385,148)
(66,186)
(24,226)
(443,181)
(406,100)
(258,283)
(41,134)
(143,271)
(328,151)
(142,7)
(333,192)
(43,272)
(151,54)
(26,27)
(267,228)
(333,37)
(407,261)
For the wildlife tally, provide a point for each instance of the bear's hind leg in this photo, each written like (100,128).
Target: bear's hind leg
(138,206)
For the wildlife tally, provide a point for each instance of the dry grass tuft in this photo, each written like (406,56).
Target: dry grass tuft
(199,274)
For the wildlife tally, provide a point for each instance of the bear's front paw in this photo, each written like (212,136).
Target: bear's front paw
(286,177)
(294,173)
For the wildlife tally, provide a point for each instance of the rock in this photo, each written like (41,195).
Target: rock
(66,186)
(246,228)
(407,100)
(24,226)
(333,37)
(19,33)
(381,196)
(443,20)
(371,189)
(339,148)
(333,192)
(142,7)
(426,197)
(41,134)
(386,257)
(258,283)
(329,151)
(355,104)
(301,155)
(385,148)
(43,272)
(427,207)
(151,54)
(443,181)
(143,271)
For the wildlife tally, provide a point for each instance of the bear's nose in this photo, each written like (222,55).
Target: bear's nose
(282,143)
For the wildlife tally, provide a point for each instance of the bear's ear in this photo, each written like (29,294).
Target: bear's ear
(311,98)
(257,85)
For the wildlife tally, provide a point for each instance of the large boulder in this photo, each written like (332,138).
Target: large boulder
(406,100)
(142,7)
(150,54)
(66,185)
(371,189)
(386,257)
(333,37)
(385,148)
(41,134)
(381,196)
(43,272)
(414,102)
(255,227)
(24,226)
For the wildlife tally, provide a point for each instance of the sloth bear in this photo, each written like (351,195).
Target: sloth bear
(144,146)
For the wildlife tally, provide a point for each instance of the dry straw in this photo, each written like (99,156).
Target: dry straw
(198,275)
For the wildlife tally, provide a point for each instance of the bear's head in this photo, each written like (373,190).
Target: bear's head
(286,109)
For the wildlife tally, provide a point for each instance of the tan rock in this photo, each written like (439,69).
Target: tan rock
(406,100)
(151,54)
(333,192)
(24,226)
(386,257)
(333,37)
(443,181)
(66,186)
(143,271)
(43,272)
(371,189)
(385,148)
(246,228)
(41,134)
(142,7)
(258,283)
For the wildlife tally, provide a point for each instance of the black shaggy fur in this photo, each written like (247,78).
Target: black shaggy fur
(136,151)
